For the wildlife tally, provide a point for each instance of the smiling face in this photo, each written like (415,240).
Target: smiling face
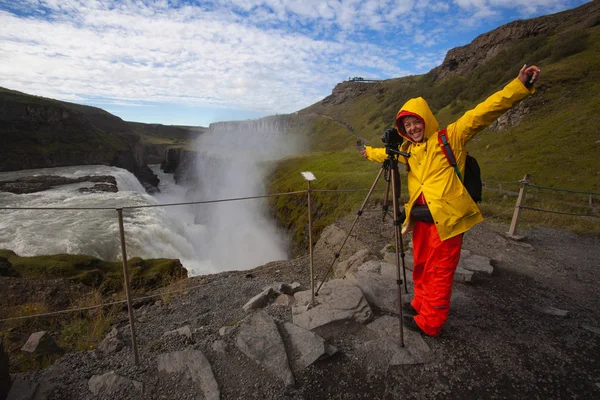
(414,127)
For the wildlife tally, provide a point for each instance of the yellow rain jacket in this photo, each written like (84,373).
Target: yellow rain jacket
(451,206)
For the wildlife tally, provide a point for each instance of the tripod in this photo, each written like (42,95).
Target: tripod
(390,167)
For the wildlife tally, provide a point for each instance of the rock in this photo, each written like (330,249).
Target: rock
(38,183)
(476,263)
(377,280)
(193,365)
(112,343)
(390,257)
(386,350)
(111,383)
(226,330)
(331,240)
(338,300)
(183,331)
(24,390)
(308,346)
(6,268)
(219,346)
(554,311)
(4,374)
(351,264)
(40,343)
(259,339)
(463,275)
(99,187)
(260,300)
(284,300)
(593,329)
(284,288)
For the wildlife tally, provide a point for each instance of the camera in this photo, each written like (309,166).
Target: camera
(391,137)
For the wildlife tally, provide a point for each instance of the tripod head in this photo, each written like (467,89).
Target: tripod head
(392,140)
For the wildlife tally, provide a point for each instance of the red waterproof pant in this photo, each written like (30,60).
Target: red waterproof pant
(433,275)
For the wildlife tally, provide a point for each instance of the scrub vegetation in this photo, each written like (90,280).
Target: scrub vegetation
(66,281)
(556,140)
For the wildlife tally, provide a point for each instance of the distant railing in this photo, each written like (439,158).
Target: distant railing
(361,79)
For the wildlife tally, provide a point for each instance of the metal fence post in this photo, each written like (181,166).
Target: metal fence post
(520,202)
(126,283)
(310,248)
(309,176)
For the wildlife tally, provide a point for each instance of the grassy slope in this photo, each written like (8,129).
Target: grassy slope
(556,142)
(105,276)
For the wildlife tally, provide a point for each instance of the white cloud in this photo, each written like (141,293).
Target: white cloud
(264,55)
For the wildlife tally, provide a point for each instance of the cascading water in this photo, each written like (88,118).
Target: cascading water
(149,232)
(207,238)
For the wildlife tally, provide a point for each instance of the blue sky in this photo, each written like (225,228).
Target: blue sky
(196,62)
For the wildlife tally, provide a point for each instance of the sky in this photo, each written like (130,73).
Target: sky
(183,62)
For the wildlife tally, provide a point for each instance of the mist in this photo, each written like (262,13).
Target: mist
(233,159)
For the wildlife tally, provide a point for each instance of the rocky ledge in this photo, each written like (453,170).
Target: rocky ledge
(33,184)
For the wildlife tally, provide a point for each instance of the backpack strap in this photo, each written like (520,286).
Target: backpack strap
(443,141)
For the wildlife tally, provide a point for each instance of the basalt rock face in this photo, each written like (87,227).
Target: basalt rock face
(345,91)
(40,133)
(33,184)
(462,60)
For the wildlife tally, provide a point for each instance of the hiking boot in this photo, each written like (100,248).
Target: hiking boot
(411,325)
(408,309)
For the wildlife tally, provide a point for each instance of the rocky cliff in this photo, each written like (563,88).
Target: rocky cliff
(39,133)
(464,59)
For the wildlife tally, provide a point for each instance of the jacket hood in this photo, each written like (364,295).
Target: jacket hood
(419,108)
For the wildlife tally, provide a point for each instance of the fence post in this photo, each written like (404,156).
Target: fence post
(310,248)
(520,202)
(126,283)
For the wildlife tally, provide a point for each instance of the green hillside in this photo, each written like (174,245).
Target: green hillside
(556,140)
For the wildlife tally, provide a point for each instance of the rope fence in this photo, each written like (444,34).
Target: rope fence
(524,183)
(520,205)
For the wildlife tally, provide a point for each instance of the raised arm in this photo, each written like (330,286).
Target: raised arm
(494,106)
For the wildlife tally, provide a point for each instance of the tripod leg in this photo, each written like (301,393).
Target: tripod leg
(358,214)
(395,195)
(388,176)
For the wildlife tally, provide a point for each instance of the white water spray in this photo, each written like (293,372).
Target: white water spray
(232,161)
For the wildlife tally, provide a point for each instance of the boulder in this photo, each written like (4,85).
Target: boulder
(338,300)
(6,268)
(307,346)
(111,383)
(41,343)
(385,350)
(260,300)
(331,240)
(193,365)
(475,263)
(377,280)
(343,268)
(112,343)
(259,339)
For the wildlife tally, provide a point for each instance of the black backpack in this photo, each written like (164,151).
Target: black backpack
(472,179)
